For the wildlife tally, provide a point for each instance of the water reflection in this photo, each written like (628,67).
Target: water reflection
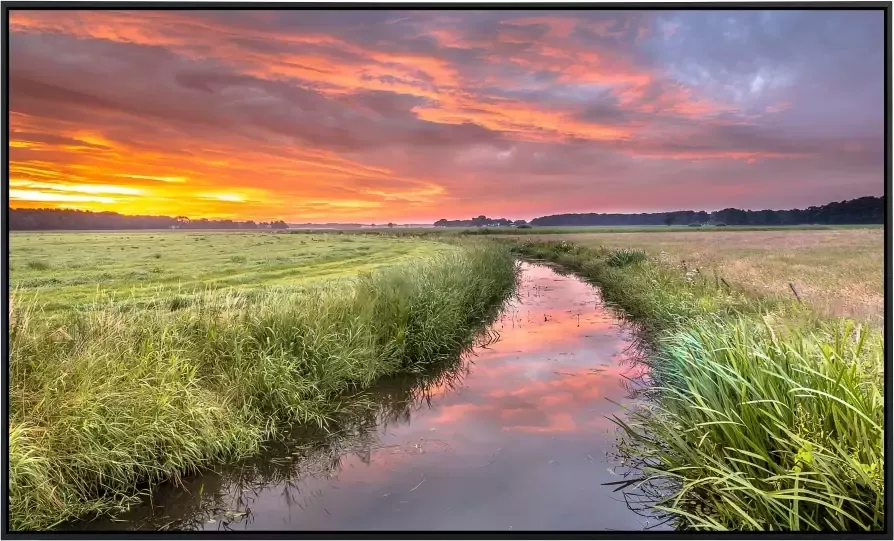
(514,435)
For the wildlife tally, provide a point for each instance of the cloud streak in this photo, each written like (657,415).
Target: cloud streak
(376,115)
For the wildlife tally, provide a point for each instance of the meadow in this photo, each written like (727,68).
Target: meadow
(838,271)
(579,229)
(64,270)
(144,376)
(141,356)
(569,229)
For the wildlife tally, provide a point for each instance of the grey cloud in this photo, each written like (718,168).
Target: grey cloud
(217,99)
(828,66)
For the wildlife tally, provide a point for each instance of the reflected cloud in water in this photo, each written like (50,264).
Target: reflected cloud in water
(515,434)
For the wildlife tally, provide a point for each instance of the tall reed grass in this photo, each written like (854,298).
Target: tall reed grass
(759,414)
(106,399)
(306,451)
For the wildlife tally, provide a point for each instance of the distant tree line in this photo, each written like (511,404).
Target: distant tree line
(480,221)
(330,225)
(43,219)
(864,210)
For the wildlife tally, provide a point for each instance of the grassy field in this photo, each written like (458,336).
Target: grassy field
(761,413)
(65,270)
(568,229)
(145,355)
(235,337)
(837,271)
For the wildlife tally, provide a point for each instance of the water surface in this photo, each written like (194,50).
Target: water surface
(515,435)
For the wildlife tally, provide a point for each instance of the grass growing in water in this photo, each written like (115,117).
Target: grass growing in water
(762,415)
(104,399)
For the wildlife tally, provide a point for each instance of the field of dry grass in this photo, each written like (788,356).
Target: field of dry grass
(838,271)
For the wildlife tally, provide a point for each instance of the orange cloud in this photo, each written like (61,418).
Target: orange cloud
(261,117)
(261,183)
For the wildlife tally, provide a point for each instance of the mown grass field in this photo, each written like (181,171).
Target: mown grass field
(840,272)
(66,269)
(152,374)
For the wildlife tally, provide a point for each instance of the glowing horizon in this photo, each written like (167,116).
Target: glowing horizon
(409,117)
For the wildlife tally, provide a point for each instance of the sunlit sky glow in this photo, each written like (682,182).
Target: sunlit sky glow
(414,116)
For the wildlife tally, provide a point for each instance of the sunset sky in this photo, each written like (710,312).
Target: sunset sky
(412,116)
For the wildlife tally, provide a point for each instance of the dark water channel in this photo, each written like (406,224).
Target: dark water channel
(515,435)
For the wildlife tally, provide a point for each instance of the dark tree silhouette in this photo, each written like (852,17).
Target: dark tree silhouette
(48,219)
(864,210)
(480,221)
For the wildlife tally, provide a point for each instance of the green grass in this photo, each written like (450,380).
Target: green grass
(69,270)
(105,397)
(760,413)
(622,258)
(308,449)
(38,265)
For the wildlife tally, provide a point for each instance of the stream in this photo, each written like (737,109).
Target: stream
(515,435)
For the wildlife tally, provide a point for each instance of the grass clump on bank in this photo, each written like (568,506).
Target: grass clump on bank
(106,398)
(761,415)
(622,258)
